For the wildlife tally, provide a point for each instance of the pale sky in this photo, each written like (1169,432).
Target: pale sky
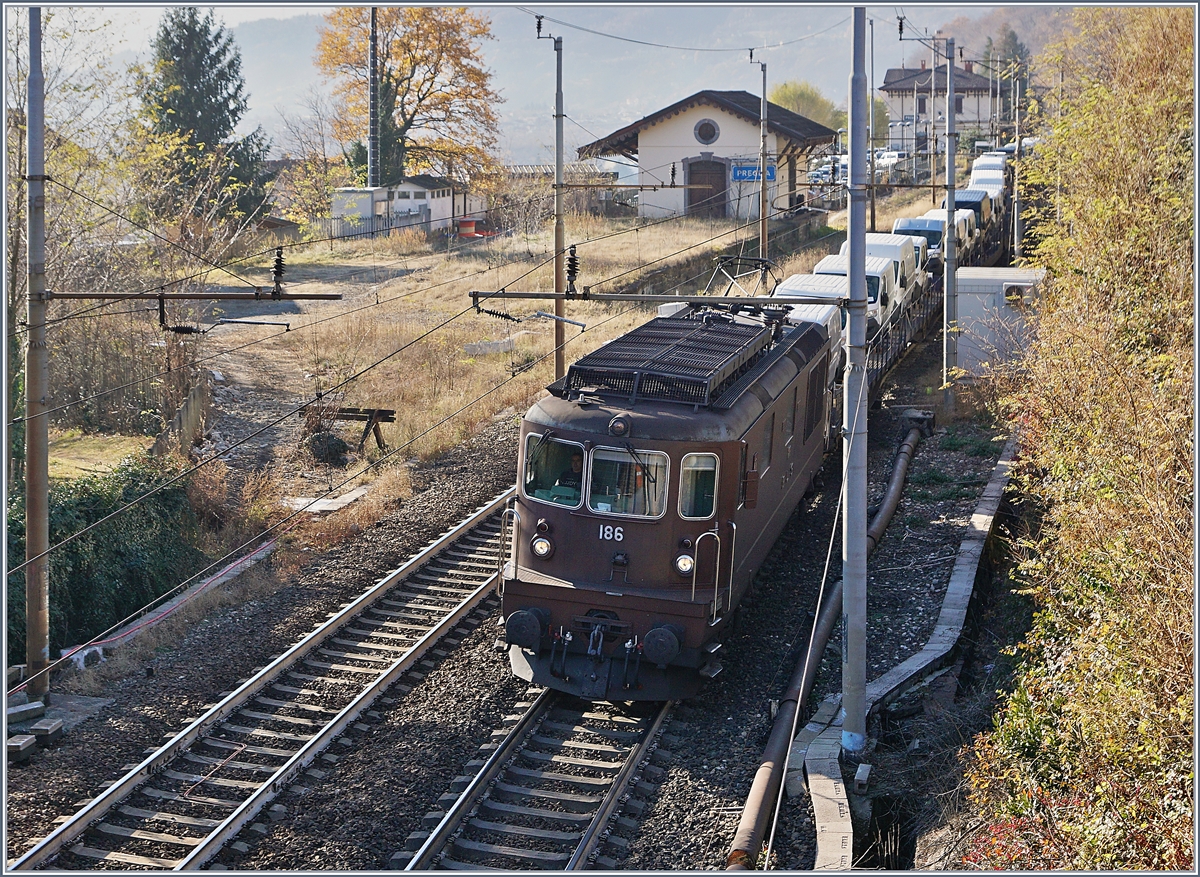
(139,20)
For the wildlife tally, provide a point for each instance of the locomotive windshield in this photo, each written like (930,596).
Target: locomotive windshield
(698,486)
(553,470)
(628,482)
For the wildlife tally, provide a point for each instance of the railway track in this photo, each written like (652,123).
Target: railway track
(186,799)
(544,798)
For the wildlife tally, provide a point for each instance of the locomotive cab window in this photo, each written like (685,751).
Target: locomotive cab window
(698,486)
(553,470)
(628,482)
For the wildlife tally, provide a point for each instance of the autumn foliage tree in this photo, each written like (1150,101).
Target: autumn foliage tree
(437,107)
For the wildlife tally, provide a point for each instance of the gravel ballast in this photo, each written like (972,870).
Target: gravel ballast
(386,778)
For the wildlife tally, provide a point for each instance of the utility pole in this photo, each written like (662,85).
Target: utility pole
(950,301)
(37,386)
(560,234)
(373,118)
(932,120)
(1018,226)
(871,124)
(762,169)
(854,441)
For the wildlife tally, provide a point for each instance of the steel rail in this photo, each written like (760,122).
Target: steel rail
(250,808)
(592,835)
(467,799)
(157,761)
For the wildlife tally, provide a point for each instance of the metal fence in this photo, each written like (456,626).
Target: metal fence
(353,226)
(908,325)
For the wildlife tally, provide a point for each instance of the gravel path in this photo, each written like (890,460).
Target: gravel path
(388,777)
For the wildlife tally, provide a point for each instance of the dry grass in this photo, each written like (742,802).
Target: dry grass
(409,352)
(74,454)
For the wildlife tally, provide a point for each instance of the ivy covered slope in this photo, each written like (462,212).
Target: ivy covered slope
(1090,762)
(115,569)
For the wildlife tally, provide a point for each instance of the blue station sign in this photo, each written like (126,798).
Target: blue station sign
(748,173)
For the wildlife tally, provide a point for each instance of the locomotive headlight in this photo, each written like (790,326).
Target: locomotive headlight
(684,564)
(542,547)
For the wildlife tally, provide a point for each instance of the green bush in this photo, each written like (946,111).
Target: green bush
(115,569)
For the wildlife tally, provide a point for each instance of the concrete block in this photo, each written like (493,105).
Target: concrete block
(47,731)
(618,844)
(25,711)
(21,746)
(432,818)
(399,860)
(239,847)
(15,674)
(415,841)
(624,823)
(861,777)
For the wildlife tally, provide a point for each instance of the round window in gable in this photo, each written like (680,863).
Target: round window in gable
(706,131)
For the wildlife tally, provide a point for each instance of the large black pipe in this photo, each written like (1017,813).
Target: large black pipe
(765,788)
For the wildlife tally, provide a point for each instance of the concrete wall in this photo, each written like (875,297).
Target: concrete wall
(188,423)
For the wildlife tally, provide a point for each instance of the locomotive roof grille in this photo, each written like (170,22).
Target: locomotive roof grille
(670,359)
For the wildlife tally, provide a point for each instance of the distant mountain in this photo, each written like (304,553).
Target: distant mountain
(277,62)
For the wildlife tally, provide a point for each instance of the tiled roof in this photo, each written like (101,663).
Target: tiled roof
(425,181)
(901,80)
(783,122)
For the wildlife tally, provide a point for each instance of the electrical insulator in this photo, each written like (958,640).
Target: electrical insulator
(672,175)
(901,28)
(539,27)
(572,267)
(277,269)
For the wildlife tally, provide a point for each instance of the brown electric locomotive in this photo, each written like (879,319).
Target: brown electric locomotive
(652,483)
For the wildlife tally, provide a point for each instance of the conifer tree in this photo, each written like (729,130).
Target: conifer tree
(196,90)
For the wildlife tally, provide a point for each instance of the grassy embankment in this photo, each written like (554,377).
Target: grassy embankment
(1090,764)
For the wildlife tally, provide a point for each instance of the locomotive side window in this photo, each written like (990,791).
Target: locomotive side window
(768,442)
(628,482)
(553,470)
(698,486)
(816,396)
(789,417)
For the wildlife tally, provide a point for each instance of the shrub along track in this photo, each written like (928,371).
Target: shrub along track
(407,753)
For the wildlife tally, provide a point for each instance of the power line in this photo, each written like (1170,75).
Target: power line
(66,405)
(680,48)
(295,514)
(339,315)
(166,240)
(241,441)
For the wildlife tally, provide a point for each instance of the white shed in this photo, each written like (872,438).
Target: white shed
(351,203)
(993,308)
(712,140)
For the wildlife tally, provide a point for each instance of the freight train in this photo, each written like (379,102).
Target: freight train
(658,473)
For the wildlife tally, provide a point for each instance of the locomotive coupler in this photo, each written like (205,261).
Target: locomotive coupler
(596,643)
